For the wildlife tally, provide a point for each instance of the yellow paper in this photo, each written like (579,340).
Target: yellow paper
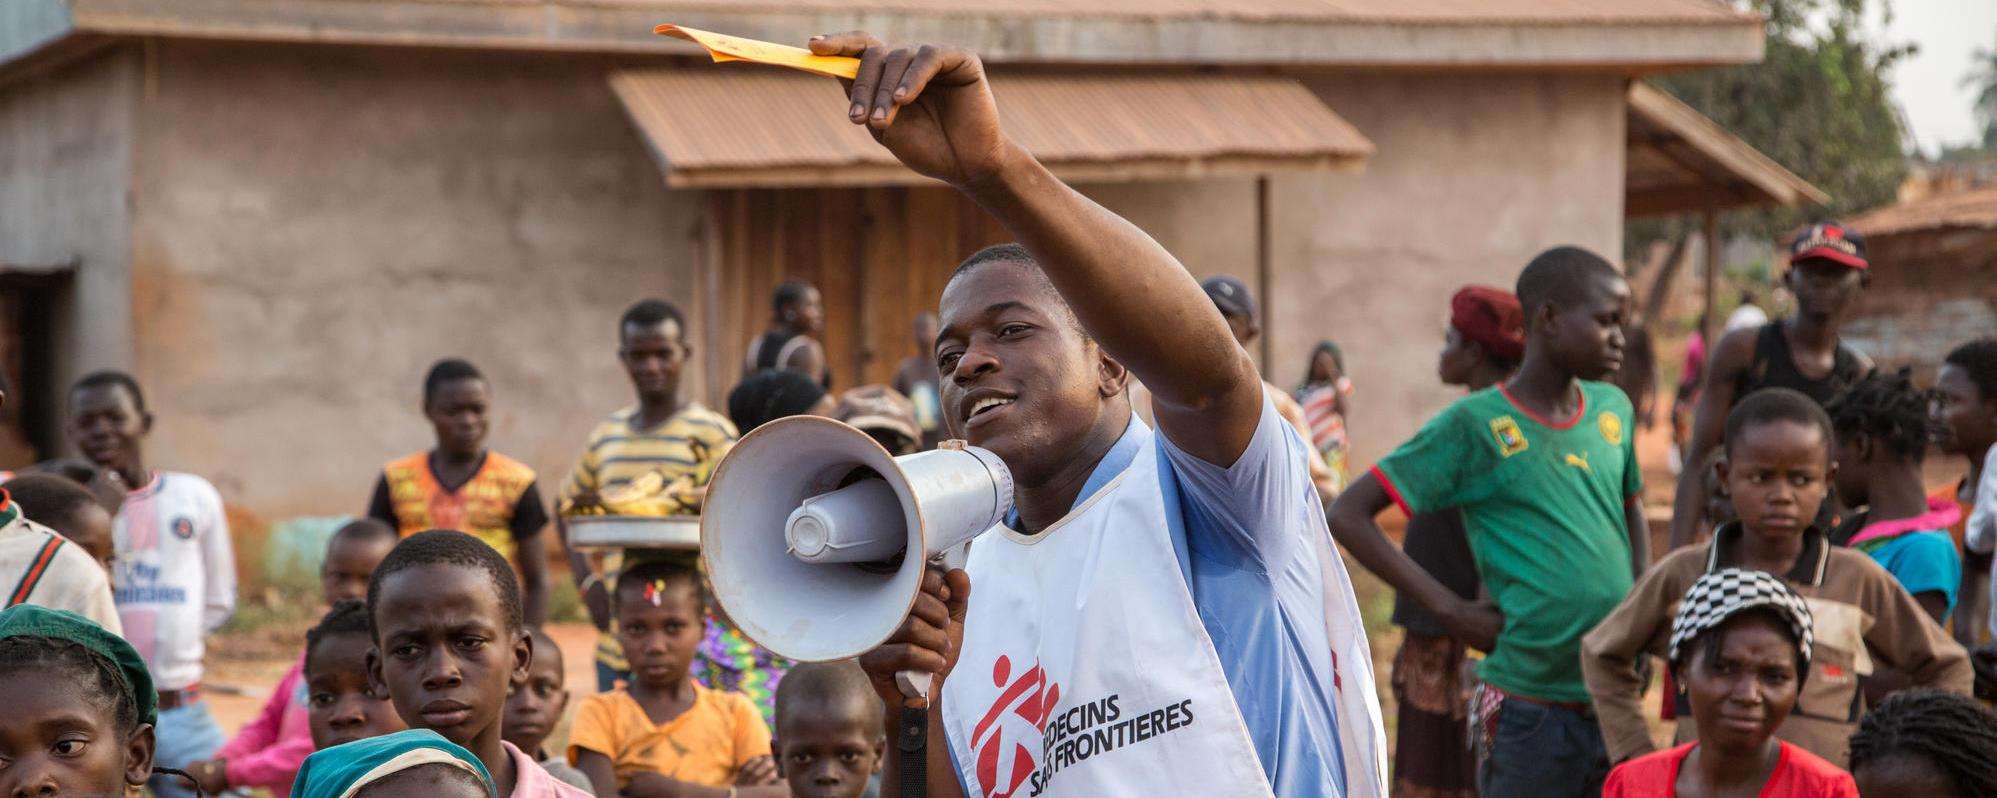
(722,47)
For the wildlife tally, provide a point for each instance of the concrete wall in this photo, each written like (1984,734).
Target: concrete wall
(316,225)
(1475,174)
(66,141)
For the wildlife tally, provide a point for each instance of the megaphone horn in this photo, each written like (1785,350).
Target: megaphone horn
(815,538)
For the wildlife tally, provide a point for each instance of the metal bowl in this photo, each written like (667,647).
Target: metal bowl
(680,532)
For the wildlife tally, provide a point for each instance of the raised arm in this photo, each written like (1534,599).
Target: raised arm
(932,107)
(1732,356)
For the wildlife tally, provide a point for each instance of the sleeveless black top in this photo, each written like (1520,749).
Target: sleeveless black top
(1774,366)
(773,348)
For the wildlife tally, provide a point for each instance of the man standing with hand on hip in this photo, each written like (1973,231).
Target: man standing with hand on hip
(1164,613)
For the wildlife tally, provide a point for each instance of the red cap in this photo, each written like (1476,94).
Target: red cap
(1829,241)
(1491,317)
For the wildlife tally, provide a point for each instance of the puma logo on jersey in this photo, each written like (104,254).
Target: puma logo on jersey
(1579,461)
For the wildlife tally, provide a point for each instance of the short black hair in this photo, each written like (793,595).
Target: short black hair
(788,293)
(1015,253)
(1887,409)
(837,684)
(1978,359)
(771,394)
(1770,405)
(1559,276)
(446,371)
(1953,732)
(348,616)
(1706,644)
(544,646)
(48,498)
(636,577)
(647,312)
(109,377)
(449,547)
(361,529)
(45,655)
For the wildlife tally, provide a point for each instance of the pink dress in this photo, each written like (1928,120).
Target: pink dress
(267,752)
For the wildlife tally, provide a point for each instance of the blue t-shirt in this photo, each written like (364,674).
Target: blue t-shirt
(1240,536)
(1923,561)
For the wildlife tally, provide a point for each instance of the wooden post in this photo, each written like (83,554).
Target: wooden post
(1710,322)
(1265,275)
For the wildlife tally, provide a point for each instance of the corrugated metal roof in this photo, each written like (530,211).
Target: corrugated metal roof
(1442,12)
(754,127)
(1681,161)
(1973,209)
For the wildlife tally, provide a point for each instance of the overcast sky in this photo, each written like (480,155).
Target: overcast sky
(1928,85)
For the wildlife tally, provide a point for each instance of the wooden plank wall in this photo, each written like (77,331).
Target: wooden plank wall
(878,255)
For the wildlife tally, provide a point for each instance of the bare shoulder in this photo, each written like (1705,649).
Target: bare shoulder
(1736,350)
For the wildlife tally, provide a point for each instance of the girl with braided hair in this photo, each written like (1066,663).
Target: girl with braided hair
(1929,743)
(1883,428)
(80,707)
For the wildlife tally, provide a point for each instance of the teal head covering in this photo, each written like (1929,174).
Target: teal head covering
(28,620)
(342,770)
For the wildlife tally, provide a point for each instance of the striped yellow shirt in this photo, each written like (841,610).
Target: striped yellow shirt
(617,453)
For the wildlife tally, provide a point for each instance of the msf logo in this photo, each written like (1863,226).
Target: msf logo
(1007,739)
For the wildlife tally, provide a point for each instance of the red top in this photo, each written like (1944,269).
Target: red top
(1798,774)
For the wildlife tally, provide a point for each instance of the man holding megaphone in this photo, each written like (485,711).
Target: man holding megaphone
(1163,614)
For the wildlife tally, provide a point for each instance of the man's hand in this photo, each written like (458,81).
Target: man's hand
(757,772)
(1476,623)
(929,105)
(928,640)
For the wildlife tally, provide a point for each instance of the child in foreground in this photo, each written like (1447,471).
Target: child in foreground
(1883,430)
(69,509)
(1777,470)
(665,734)
(80,707)
(449,643)
(1741,646)
(532,711)
(40,565)
(830,730)
(342,707)
(406,764)
(1927,743)
(267,752)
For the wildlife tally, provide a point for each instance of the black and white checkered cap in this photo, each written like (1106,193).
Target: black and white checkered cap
(1721,594)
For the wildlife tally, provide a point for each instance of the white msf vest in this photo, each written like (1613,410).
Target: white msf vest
(1085,670)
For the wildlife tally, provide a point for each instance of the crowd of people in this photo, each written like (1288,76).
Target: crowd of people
(1163,612)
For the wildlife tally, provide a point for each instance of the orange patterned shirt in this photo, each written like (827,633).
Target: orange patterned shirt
(498,504)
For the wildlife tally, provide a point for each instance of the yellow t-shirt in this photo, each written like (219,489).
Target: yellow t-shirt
(706,745)
(618,452)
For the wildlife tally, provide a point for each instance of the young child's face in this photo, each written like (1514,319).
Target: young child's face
(1967,419)
(532,711)
(445,651)
(107,426)
(826,750)
(1741,696)
(1586,336)
(1776,473)
(350,561)
(89,527)
(339,704)
(458,413)
(60,736)
(659,630)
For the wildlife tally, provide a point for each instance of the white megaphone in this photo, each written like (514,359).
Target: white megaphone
(815,538)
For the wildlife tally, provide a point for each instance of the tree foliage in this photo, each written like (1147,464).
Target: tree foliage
(1818,103)
(1983,78)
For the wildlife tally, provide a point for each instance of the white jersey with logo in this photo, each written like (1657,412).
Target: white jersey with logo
(1089,673)
(175,574)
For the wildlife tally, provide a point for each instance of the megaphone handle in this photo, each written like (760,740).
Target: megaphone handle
(914,684)
(913,744)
